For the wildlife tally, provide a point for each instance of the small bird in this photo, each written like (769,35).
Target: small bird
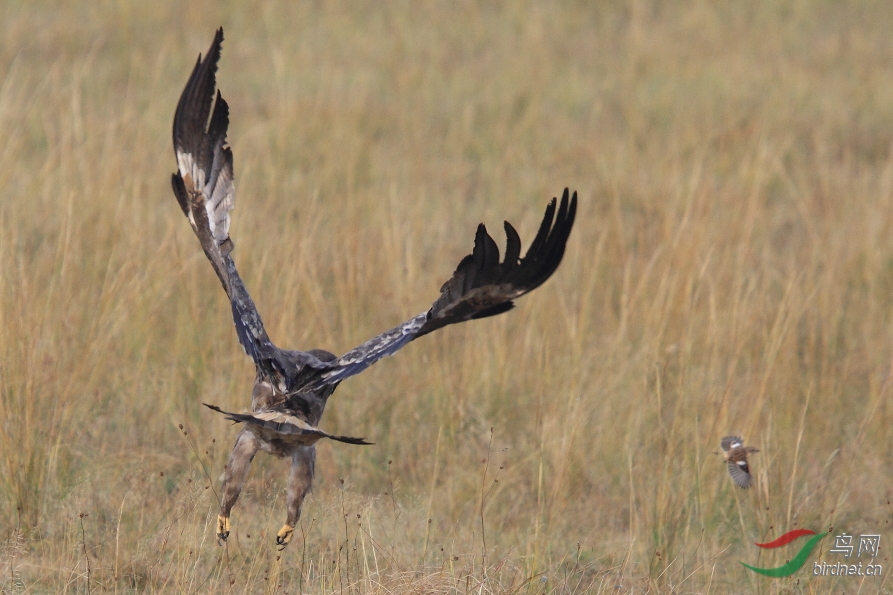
(735,454)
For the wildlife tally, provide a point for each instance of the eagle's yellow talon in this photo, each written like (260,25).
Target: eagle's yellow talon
(284,536)
(222,527)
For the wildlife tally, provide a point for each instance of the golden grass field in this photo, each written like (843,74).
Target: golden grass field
(730,271)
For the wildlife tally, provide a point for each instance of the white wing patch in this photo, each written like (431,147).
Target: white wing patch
(220,198)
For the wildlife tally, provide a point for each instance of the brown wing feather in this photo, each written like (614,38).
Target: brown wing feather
(740,474)
(203,183)
(205,190)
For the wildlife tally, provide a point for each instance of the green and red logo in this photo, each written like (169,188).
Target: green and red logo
(797,562)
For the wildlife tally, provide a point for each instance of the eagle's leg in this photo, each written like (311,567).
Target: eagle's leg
(303,460)
(234,474)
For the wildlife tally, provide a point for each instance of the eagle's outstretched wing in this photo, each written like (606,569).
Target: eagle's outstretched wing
(481,286)
(204,183)
(206,193)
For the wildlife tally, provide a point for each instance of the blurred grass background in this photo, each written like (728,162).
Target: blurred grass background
(730,272)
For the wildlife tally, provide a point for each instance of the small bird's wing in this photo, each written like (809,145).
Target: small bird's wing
(481,286)
(730,442)
(205,191)
(740,473)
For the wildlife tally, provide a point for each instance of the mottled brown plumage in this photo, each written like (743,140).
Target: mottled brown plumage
(734,453)
(292,387)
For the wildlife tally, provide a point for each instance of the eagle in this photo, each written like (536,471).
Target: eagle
(291,388)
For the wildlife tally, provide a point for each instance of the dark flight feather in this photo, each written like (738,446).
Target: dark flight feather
(480,287)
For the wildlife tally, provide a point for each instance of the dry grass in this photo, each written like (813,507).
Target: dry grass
(731,271)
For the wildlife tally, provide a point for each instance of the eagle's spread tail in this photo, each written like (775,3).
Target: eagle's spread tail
(283,422)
